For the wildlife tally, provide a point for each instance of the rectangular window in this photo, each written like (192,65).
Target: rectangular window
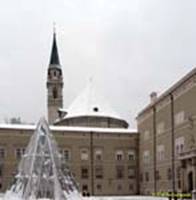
(160,152)
(157,175)
(99,172)
(131,155)
(119,187)
(179,184)
(131,172)
(84,154)
(131,187)
(146,135)
(178,173)
(66,154)
(179,118)
(19,152)
(160,128)
(179,145)
(146,176)
(2,152)
(169,174)
(98,154)
(146,157)
(99,187)
(119,155)
(119,172)
(85,188)
(84,173)
(141,177)
(1,170)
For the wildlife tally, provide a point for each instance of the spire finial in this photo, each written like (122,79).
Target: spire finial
(54,57)
(54,28)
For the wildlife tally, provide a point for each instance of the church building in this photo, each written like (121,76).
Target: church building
(95,142)
(105,156)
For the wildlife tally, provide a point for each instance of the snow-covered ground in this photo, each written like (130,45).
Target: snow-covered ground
(117,198)
(125,198)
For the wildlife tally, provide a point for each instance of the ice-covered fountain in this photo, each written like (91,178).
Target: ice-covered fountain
(42,174)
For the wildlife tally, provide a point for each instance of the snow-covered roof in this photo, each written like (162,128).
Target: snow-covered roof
(90,103)
(69,128)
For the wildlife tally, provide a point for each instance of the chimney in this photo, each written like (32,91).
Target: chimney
(153,97)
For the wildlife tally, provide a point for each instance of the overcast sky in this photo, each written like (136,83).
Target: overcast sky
(130,47)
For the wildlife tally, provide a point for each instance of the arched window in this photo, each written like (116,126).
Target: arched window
(55,93)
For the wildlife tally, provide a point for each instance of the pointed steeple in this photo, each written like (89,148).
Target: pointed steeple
(54,57)
(54,83)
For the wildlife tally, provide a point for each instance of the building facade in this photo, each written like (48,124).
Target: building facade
(95,142)
(105,156)
(103,160)
(167,131)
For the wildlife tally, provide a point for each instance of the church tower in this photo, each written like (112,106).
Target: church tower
(54,83)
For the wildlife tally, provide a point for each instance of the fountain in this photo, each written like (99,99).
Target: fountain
(42,173)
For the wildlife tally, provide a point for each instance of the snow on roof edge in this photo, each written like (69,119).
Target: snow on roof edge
(98,116)
(70,128)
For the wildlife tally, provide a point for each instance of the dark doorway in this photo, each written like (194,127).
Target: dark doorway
(190,182)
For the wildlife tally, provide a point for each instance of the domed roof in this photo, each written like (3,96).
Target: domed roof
(90,103)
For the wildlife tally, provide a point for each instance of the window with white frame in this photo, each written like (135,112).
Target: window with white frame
(160,152)
(179,118)
(146,157)
(146,134)
(84,154)
(98,154)
(131,155)
(179,145)
(160,128)
(119,155)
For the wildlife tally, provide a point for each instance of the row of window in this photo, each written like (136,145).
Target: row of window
(99,172)
(85,189)
(98,155)
(179,148)
(84,154)
(179,118)
(18,152)
(146,177)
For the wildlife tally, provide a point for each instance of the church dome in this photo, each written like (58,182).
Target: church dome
(91,109)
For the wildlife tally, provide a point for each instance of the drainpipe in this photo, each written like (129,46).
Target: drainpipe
(173,142)
(154,148)
(92,163)
(138,192)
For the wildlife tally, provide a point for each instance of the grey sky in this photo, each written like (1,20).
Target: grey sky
(130,47)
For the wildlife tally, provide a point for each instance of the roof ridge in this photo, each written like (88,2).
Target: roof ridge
(90,103)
